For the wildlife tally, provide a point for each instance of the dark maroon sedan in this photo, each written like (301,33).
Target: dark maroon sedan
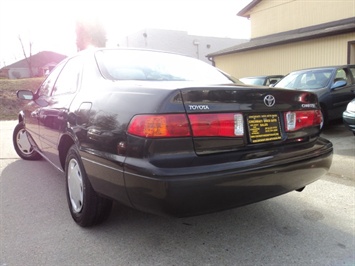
(168,134)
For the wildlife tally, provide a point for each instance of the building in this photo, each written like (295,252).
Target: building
(292,34)
(178,42)
(41,63)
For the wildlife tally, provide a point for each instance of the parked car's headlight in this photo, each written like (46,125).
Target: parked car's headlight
(351,106)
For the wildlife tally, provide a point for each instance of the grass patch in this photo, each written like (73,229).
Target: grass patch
(9,104)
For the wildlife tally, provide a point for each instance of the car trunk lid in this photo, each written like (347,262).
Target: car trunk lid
(227,118)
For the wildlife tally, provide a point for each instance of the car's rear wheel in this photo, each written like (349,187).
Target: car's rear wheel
(86,207)
(22,145)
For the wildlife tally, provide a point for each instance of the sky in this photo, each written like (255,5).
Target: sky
(50,24)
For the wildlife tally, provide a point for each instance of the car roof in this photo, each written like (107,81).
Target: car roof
(92,50)
(323,67)
(268,76)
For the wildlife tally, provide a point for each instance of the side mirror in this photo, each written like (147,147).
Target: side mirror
(24,95)
(338,84)
(29,96)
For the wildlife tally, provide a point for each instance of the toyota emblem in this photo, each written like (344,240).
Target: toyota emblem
(269,100)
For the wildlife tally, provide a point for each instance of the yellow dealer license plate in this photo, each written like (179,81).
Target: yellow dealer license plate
(264,128)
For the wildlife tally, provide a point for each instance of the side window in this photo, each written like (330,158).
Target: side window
(68,79)
(47,85)
(272,81)
(341,75)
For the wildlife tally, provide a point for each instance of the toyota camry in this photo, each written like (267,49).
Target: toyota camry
(168,134)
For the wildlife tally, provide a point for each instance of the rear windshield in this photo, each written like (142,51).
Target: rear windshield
(156,66)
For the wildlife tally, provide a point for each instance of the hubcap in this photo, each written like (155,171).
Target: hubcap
(23,143)
(75,185)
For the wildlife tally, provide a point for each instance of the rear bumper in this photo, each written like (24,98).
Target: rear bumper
(218,187)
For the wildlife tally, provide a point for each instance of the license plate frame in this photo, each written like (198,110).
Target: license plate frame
(264,127)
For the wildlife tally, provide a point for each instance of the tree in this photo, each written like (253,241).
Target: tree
(90,33)
(28,58)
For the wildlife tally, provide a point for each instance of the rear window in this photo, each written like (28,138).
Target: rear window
(156,66)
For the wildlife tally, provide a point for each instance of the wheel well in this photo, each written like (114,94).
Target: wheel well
(65,143)
(20,117)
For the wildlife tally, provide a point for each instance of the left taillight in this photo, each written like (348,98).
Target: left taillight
(295,120)
(158,126)
(178,125)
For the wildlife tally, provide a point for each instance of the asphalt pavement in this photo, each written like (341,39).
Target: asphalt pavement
(314,227)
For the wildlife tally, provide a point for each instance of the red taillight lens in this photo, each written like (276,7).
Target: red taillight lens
(217,125)
(177,125)
(296,120)
(157,126)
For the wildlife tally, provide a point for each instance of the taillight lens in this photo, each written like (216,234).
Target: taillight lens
(177,125)
(217,125)
(296,120)
(157,126)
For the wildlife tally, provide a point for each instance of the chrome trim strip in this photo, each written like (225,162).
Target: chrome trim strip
(46,158)
(104,165)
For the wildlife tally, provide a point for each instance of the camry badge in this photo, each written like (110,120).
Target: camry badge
(269,100)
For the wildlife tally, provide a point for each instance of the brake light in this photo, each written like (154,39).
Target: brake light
(296,120)
(217,125)
(177,125)
(157,126)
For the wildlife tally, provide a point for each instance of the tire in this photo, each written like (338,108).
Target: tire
(86,207)
(22,145)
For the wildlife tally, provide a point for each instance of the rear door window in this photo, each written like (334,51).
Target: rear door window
(47,86)
(69,78)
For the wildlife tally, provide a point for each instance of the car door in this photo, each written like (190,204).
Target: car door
(54,117)
(32,110)
(341,96)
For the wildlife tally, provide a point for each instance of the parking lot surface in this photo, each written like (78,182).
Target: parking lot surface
(314,227)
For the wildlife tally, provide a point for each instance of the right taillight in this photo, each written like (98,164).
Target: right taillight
(295,120)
